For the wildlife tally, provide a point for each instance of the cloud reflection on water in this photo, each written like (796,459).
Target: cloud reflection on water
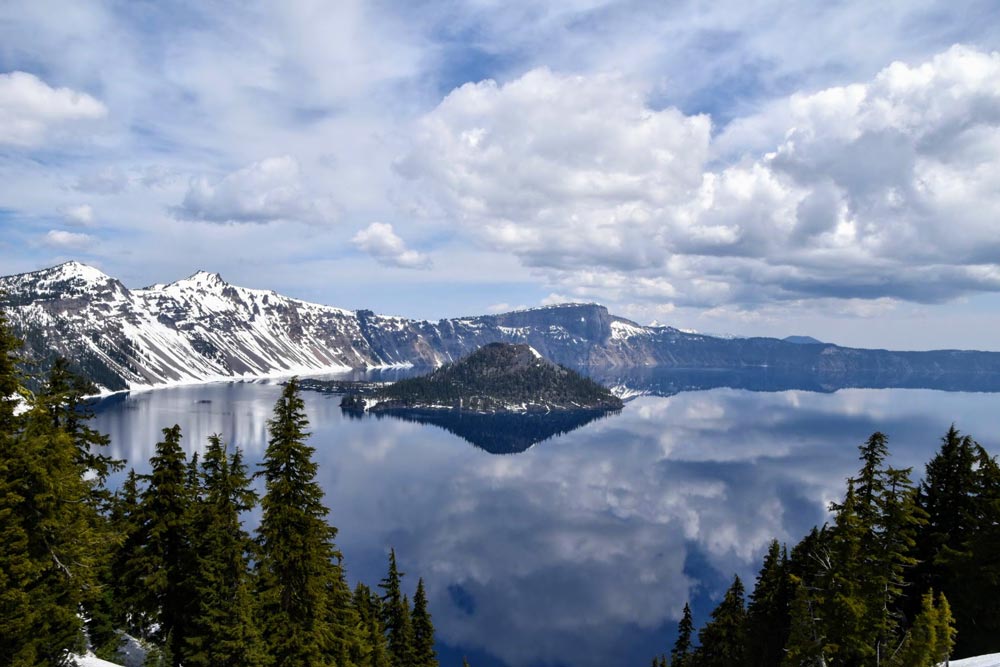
(583,549)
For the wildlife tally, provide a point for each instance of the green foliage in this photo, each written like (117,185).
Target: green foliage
(396,616)
(768,614)
(223,631)
(297,555)
(496,375)
(680,656)
(931,639)
(159,556)
(50,528)
(958,549)
(423,630)
(722,642)
(369,609)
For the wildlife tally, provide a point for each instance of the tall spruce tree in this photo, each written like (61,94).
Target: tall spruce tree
(959,546)
(768,614)
(396,616)
(223,631)
(49,529)
(369,610)
(722,642)
(158,555)
(295,544)
(680,656)
(423,630)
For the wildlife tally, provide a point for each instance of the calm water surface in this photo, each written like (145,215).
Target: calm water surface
(583,549)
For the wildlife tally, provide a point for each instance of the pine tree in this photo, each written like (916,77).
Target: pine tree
(295,544)
(423,630)
(680,656)
(369,609)
(396,616)
(929,642)
(768,614)
(959,547)
(723,639)
(223,630)
(158,554)
(49,530)
(806,635)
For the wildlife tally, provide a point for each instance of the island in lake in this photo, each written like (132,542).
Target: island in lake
(498,378)
(503,398)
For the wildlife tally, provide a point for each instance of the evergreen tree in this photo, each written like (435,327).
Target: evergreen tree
(806,635)
(423,630)
(396,616)
(768,614)
(223,629)
(680,656)
(958,549)
(929,642)
(295,544)
(369,610)
(49,530)
(158,553)
(723,639)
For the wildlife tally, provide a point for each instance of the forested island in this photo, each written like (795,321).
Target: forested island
(496,378)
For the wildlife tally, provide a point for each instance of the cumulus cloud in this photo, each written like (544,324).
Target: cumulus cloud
(382,243)
(264,191)
(877,190)
(61,239)
(81,214)
(31,110)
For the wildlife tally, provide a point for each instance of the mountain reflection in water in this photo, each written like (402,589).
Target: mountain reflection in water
(510,433)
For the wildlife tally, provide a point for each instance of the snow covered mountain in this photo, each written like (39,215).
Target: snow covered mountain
(202,328)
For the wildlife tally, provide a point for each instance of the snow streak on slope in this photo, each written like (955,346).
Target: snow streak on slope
(193,330)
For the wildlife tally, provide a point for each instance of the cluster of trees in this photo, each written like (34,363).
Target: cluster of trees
(905,576)
(497,374)
(166,558)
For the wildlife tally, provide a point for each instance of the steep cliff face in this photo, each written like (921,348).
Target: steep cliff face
(202,328)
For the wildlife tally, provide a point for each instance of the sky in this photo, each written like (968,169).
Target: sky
(754,168)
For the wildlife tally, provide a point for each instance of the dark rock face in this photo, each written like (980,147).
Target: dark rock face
(201,328)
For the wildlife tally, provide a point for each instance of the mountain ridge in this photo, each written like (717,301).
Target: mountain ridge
(202,328)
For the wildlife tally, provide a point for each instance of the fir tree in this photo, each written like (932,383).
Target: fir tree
(223,629)
(396,616)
(680,656)
(723,639)
(158,554)
(929,642)
(768,614)
(49,530)
(369,609)
(958,548)
(295,544)
(423,630)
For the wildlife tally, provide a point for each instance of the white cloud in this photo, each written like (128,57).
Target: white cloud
(61,239)
(382,243)
(263,191)
(79,214)
(31,110)
(878,190)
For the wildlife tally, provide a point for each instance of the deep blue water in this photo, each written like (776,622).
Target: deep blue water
(583,549)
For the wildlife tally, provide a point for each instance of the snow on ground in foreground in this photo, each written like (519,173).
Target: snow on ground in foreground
(991,660)
(92,661)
